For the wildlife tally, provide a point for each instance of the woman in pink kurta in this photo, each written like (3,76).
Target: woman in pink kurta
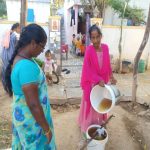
(96,70)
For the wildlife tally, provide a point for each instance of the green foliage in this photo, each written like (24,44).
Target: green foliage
(133,13)
(3,11)
(117,5)
(39,62)
(136,15)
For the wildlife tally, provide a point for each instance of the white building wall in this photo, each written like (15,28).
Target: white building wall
(13,10)
(70,30)
(132,38)
(108,16)
(41,10)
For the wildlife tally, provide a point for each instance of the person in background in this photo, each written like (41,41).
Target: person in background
(8,47)
(83,45)
(74,43)
(48,66)
(32,125)
(78,46)
(72,16)
(96,70)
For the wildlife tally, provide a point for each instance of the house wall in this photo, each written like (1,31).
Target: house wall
(132,38)
(70,30)
(41,10)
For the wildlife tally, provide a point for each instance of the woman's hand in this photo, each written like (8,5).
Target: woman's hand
(49,136)
(101,83)
(113,80)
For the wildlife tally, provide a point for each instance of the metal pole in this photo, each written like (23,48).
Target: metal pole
(87,29)
(49,45)
(60,46)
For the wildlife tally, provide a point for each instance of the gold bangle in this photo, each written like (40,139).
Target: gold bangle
(45,133)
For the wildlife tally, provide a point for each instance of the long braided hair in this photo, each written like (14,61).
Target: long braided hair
(29,33)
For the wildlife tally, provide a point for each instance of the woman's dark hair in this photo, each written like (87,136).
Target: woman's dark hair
(94,28)
(29,33)
(14,26)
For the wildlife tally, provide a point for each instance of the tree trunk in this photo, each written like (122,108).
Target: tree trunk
(120,48)
(137,58)
(23,14)
(120,40)
(147,60)
(104,7)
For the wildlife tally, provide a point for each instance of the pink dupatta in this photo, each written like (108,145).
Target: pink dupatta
(6,39)
(91,72)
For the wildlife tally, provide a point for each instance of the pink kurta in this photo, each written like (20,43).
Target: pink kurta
(96,67)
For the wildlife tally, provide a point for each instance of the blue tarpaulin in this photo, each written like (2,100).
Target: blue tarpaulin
(30,15)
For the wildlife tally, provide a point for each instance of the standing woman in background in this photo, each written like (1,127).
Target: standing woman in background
(8,47)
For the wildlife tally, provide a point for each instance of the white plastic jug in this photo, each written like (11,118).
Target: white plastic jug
(98,93)
(96,144)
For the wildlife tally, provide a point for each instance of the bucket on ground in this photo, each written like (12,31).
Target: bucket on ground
(141,66)
(103,99)
(98,143)
(126,66)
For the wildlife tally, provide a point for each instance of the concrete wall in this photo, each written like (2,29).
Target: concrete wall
(70,30)
(112,18)
(132,38)
(41,10)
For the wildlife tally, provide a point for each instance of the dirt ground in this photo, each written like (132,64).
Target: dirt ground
(128,130)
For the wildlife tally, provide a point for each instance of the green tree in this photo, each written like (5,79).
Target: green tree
(3,11)
(136,15)
(133,13)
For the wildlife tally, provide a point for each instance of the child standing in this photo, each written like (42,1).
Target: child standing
(48,66)
(78,46)
(73,43)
